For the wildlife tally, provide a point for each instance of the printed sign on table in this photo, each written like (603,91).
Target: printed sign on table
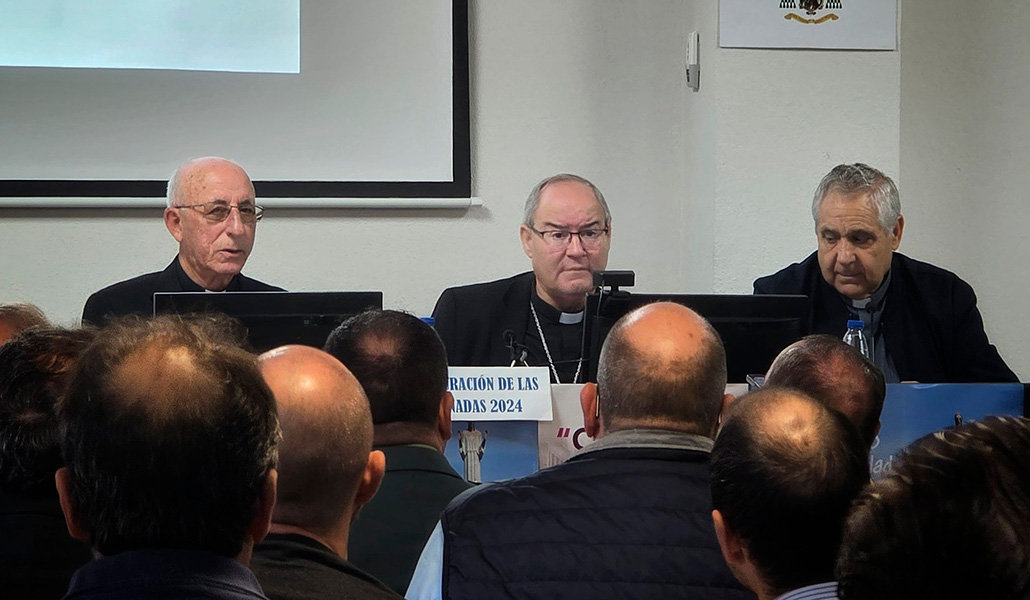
(829,24)
(500,393)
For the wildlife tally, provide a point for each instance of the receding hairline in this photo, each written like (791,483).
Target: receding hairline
(185,176)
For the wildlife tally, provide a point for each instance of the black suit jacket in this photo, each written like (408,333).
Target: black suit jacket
(472,320)
(391,530)
(295,567)
(37,556)
(136,296)
(931,326)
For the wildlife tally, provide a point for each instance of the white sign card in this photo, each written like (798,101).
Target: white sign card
(500,393)
(826,24)
(560,438)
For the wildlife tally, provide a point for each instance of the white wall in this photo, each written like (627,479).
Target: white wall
(709,189)
(965,146)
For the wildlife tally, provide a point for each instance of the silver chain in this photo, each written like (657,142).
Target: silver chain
(550,362)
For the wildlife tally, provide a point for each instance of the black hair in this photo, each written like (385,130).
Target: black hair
(399,360)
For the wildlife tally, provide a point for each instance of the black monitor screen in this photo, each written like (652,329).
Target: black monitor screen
(274,319)
(753,328)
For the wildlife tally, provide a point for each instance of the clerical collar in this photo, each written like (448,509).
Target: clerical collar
(873,302)
(552,314)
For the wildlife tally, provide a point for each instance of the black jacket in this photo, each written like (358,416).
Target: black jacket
(472,320)
(136,296)
(295,567)
(625,521)
(391,530)
(931,326)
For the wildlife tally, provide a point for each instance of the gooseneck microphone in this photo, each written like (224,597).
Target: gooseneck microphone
(516,351)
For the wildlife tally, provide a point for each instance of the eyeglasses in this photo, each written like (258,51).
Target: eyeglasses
(590,239)
(216,212)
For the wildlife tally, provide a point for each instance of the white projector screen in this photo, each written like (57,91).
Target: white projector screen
(380,109)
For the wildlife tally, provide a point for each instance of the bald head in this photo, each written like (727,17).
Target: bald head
(835,374)
(785,467)
(327,436)
(661,366)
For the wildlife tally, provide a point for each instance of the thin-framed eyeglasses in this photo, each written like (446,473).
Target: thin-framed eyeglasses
(590,239)
(216,212)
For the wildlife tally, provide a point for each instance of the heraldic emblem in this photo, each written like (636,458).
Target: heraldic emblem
(812,9)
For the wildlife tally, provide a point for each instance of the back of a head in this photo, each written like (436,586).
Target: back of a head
(17,317)
(835,374)
(169,433)
(785,470)
(949,522)
(34,367)
(662,366)
(327,436)
(400,362)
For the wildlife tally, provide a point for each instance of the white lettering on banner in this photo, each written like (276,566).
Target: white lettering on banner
(500,393)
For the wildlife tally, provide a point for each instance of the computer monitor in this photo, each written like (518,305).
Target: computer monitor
(754,329)
(274,319)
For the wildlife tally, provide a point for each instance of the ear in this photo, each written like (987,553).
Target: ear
(64,488)
(899,228)
(729,542)
(727,400)
(591,414)
(173,222)
(443,420)
(263,507)
(371,477)
(526,235)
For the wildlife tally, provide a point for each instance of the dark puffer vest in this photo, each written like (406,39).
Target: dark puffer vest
(630,517)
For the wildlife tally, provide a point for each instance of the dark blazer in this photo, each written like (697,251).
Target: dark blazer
(296,567)
(391,530)
(37,556)
(472,320)
(931,326)
(136,296)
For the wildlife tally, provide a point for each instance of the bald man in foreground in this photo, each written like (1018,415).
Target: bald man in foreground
(626,517)
(213,215)
(327,472)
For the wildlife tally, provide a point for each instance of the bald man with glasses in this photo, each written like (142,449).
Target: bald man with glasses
(535,318)
(213,215)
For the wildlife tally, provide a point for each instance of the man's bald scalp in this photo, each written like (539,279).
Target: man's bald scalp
(327,435)
(662,365)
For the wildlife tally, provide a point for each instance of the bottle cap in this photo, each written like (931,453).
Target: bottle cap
(856,324)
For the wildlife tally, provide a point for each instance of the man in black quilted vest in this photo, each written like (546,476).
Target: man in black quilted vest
(626,517)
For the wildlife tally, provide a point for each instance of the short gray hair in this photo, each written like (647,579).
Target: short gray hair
(533,201)
(861,178)
(180,174)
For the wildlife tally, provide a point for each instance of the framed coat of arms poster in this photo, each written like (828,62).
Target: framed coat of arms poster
(825,24)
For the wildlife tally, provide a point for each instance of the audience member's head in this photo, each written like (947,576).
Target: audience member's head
(785,469)
(950,520)
(834,373)
(327,467)
(213,215)
(402,366)
(17,317)
(34,367)
(170,440)
(566,233)
(662,366)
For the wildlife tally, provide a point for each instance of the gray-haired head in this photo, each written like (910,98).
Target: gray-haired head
(177,183)
(861,178)
(534,196)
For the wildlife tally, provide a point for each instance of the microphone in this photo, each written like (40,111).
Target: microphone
(516,351)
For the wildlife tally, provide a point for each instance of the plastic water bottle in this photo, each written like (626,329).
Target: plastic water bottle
(856,338)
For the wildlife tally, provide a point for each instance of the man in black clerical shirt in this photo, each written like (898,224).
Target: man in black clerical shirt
(213,215)
(923,320)
(535,318)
